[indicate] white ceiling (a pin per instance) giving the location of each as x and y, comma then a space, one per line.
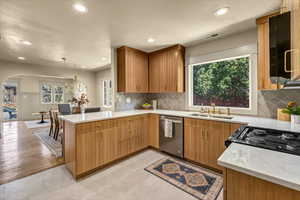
57, 31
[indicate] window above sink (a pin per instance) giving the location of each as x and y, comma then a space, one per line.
225, 83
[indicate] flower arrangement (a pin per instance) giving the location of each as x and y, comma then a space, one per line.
82, 100
292, 108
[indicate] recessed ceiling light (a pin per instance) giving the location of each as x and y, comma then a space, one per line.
151, 40
221, 11
21, 58
103, 58
26, 42
80, 8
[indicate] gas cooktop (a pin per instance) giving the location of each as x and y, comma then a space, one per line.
284, 141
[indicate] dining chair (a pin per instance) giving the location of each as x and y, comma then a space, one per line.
64, 109
51, 122
57, 125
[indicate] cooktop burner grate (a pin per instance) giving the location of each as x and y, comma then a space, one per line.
284, 141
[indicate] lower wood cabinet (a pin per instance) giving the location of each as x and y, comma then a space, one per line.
99, 143
153, 126
204, 140
89, 146
241, 186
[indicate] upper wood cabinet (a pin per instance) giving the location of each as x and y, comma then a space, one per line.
263, 68
132, 70
166, 70
293, 6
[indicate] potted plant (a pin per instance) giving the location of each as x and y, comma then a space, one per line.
294, 110
81, 102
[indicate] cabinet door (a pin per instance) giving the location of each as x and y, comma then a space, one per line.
108, 142
171, 70
155, 72
216, 135
263, 69
295, 30
141, 67
195, 145
245, 187
132, 70
139, 135
153, 133
136, 71
124, 137
86, 147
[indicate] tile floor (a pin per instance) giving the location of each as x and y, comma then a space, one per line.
126, 180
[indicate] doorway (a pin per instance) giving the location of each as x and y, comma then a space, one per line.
10, 112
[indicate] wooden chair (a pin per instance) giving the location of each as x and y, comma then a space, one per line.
52, 122
57, 125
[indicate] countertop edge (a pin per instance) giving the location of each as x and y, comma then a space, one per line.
265, 177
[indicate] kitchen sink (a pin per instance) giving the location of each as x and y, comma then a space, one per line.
222, 117
199, 115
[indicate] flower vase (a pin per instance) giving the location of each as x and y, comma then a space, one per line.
295, 119
82, 109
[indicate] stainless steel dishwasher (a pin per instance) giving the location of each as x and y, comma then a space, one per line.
171, 143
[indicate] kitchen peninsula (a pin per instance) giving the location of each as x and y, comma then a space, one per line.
94, 140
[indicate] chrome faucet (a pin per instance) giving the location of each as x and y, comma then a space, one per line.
213, 108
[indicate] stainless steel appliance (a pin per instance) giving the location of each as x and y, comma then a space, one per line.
284, 141
171, 143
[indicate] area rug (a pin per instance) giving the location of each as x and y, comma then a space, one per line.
35, 124
200, 183
53, 145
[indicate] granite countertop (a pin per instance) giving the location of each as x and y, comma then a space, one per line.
276, 167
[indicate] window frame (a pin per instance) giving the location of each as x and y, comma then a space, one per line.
51, 93
235, 110
107, 84
54, 94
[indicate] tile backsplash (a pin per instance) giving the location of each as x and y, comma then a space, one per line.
268, 101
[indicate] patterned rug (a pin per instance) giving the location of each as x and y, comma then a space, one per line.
200, 183
54, 146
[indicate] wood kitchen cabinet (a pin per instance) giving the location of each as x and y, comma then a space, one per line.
263, 67
86, 142
153, 133
89, 146
204, 140
252, 188
166, 70
293, 6
132, 69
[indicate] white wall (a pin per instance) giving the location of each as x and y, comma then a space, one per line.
11, 69
240, 44
237, 42
102, 75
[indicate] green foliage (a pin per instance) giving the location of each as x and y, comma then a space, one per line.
225, 83
292, 110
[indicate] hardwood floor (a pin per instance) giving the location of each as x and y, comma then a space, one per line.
22, 153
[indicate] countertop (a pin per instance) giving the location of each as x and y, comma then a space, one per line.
251, 121
276, 167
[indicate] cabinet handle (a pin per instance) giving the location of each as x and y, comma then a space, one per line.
285, 60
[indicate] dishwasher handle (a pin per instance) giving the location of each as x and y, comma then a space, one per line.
173, 119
